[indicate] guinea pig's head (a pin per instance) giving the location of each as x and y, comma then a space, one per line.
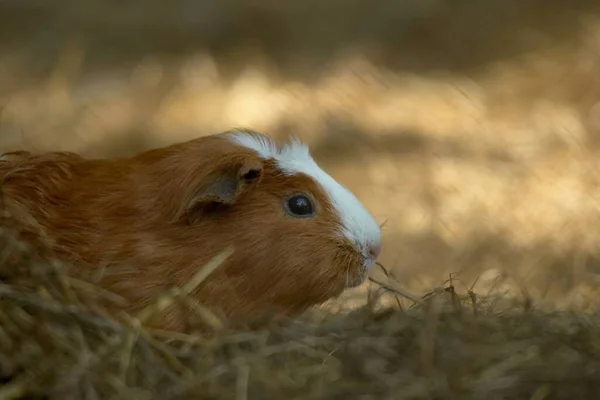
301, 237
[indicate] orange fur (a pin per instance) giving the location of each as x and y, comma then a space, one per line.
142, 224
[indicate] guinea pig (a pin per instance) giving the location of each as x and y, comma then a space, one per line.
137, 226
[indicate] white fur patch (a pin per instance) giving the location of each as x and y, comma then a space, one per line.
360, 228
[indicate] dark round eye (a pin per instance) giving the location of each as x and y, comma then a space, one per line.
300, 205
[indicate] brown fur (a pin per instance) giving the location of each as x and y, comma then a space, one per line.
140, 225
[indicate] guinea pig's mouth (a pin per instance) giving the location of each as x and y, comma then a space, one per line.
359, 275
356, 265
357, 280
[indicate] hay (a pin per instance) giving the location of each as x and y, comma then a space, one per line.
53, 346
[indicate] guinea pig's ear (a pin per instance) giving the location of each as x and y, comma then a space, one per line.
221, 188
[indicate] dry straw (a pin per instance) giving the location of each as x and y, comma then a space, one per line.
444, 346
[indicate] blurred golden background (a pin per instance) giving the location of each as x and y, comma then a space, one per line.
471, 128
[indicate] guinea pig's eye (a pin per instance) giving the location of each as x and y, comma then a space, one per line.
300, 205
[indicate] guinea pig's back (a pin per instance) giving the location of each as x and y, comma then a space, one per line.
10, 160
32, 187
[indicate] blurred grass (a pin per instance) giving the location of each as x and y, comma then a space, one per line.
471, 128
56, 343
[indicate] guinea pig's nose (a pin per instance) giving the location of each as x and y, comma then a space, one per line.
374, 249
